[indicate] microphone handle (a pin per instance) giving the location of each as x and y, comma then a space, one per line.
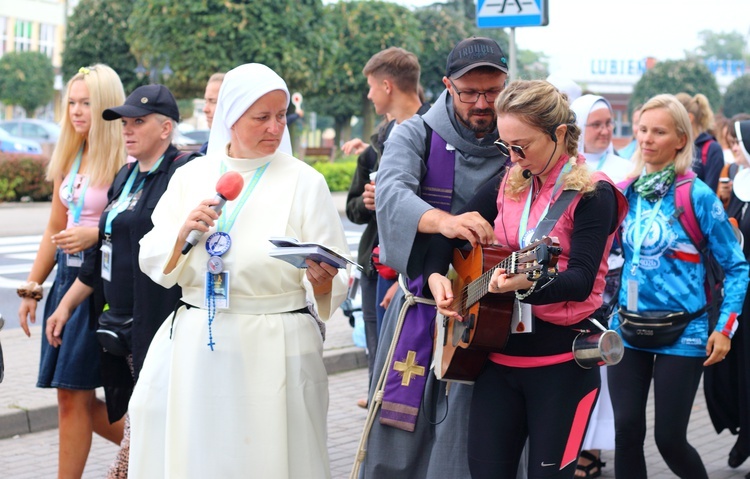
195, 235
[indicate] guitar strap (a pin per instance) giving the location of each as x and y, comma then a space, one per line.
406, 376
553, 214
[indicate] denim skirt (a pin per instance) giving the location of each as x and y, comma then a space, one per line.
75, 363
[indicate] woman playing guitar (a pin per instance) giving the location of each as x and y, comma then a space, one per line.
534, 389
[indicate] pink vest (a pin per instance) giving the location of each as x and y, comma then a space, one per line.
506, 231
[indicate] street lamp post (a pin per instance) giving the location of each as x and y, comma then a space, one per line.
154, 72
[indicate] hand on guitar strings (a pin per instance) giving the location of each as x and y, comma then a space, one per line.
504, 283
469, 226
442, 292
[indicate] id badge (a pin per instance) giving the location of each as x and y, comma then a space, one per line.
220, 288
632, 295
106, 250
522, 321
74, 260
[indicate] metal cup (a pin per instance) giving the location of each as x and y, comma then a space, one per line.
600, 349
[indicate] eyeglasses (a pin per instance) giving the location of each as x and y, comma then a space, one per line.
505, 149
597, 125
473, 96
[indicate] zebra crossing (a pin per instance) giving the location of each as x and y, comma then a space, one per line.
17, 254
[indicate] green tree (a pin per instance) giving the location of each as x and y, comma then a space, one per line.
737, 97
721, 46
674, 76
358, 30
532, 65
441, 29
27, 80
96, 34
200, 37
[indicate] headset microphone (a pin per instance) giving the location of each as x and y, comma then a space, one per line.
527, 174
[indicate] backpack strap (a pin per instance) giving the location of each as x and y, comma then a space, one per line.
704, 151
427, 141
192, 155
625, 184
684, 211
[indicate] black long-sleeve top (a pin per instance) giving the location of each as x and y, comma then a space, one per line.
594, 220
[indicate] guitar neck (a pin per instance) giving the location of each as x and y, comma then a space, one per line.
478, 288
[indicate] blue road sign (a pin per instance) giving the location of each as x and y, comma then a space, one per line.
512, 13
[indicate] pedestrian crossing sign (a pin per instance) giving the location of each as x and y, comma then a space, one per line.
512, 13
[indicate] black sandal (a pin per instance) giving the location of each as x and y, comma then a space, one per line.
593, 469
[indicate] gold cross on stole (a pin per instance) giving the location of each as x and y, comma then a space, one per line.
409, 368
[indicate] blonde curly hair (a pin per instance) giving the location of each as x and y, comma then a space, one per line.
543, 107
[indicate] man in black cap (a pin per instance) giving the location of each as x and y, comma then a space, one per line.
431, 166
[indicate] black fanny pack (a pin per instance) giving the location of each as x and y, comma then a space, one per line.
114, 333
654, 329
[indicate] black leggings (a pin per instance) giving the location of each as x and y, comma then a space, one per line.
676, 381
550, 405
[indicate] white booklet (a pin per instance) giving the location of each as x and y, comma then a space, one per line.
295, 253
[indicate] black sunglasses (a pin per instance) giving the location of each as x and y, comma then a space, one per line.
505, 149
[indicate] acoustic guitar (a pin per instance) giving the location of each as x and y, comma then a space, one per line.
461, 347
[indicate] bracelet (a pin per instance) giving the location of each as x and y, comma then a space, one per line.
31, 289
522, 296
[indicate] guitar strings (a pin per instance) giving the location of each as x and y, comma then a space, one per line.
475, 290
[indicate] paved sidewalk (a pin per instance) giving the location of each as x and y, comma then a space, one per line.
25, 408
28, 415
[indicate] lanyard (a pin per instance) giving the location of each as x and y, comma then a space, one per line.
123, 202
527, 208
76, 208
224, 225
227, 221
640, 234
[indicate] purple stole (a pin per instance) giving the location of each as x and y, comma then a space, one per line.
407, 374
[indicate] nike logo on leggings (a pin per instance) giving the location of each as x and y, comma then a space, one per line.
546, 464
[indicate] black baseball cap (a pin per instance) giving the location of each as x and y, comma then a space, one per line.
475, 52
143, 101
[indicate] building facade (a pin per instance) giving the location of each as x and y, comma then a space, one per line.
35, 25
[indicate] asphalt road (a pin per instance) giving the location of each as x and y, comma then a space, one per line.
19, 241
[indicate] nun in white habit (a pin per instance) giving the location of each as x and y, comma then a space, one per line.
595, 119
233, 384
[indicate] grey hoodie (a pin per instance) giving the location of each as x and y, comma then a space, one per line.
402, 168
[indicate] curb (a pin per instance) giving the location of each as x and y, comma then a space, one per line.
25, 421
344, 359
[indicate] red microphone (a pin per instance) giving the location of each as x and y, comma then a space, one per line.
228, 188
